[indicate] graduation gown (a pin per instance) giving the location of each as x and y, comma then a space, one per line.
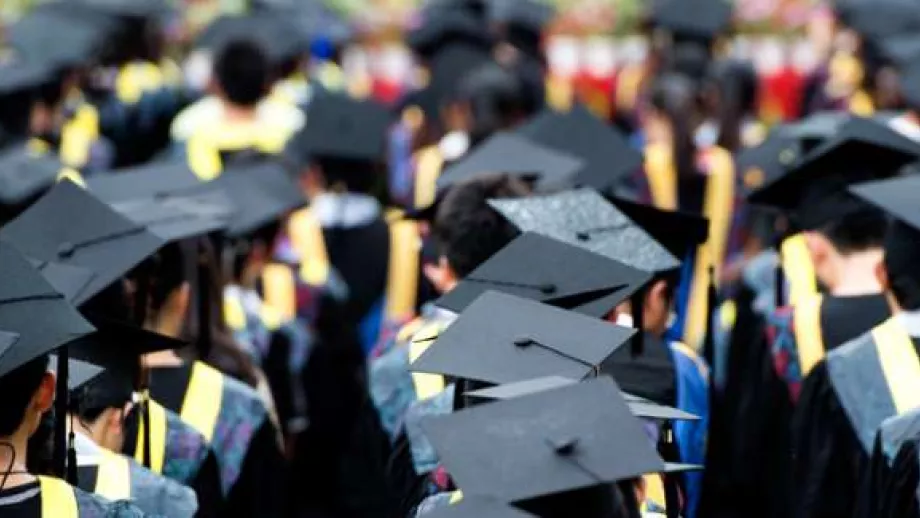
890, 487
178, 452
116, 477
768, 359
236, 424
844, 402
54, 498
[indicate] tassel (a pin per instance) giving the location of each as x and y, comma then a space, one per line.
637, 346
710, 338
145, 416
71, 458
59, 458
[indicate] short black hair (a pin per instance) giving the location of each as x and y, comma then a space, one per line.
17, 388
356, 176
242, 70
902, 251
858, 231
466, 229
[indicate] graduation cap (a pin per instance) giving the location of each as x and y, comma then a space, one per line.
608, 157
583, 218
59, 34
478, 507
443, 27
501, 338
261, 192
556, 273
69, 225
548, 443
344, 128
24, 174
640, 407
815, 188
179, 217
140, 9
507, 153
908, 82
67, 280
449, 67
679, 232
815, 128
79, 372
900, 49
874, 20
156, 180
273, 31
530, 15
697, 19
18, 75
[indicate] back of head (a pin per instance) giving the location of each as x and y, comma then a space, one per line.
675, 97
17, 389
466, 229
902, 253
734, 84
242, 71
858, 231
496, 97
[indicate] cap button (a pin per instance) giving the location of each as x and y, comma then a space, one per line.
565, 447
548, 289
582, 236
66, 250
523, 341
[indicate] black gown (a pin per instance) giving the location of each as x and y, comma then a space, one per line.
889, 489
752, 422
259, 486
830, 455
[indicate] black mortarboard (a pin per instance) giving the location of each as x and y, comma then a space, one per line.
17, 75
115, 344
557, 273
583, 218
478, 507
501, 338
344, 128
552, 442
507, 153
175, 218
31, 307
640, 407
815, 188
608, 157
60, 34
530, 15
896, 196
154, 180
260, 192
443, 27
69, 225
875, 20
900, 49
67, 280
24, 174
79, 372
277, 35
448, 69
815, 128
679, 232
142, 9
697, 19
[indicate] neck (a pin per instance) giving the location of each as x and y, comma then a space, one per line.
237, 113
855, 274
167, 324
13, 455
162, 359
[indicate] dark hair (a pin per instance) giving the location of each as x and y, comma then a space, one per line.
242, 71
17, 388
357, 176
857, 231
736, 85
108, 390
468, 231
177, 265
496, 98
676, 97
902, 253
266, 235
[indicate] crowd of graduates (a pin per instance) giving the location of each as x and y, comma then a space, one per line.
238, 288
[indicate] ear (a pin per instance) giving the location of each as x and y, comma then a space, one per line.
656, 292
440, 275
818, 246
44, 396
179, 300
114, 420
881, 274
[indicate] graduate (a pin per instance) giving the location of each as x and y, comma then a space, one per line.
700, 180
848, 395
889, 488
233, 122
29, 389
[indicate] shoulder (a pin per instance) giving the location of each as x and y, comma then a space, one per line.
192, 117
94, 506
850, 351
688, 360
164, 495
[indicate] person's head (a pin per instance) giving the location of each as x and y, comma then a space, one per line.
100, 408
898, 273
169, 292
731, 96
491, 98
467, 231
672, 118
657, 303
28, 393
859, 232
253, 253
242, 72
335, 174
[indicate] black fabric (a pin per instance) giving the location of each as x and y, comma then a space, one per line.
650, 375
29, 508
360, 255
86, 478
845, 318
169, 384
889, 489
206, 482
